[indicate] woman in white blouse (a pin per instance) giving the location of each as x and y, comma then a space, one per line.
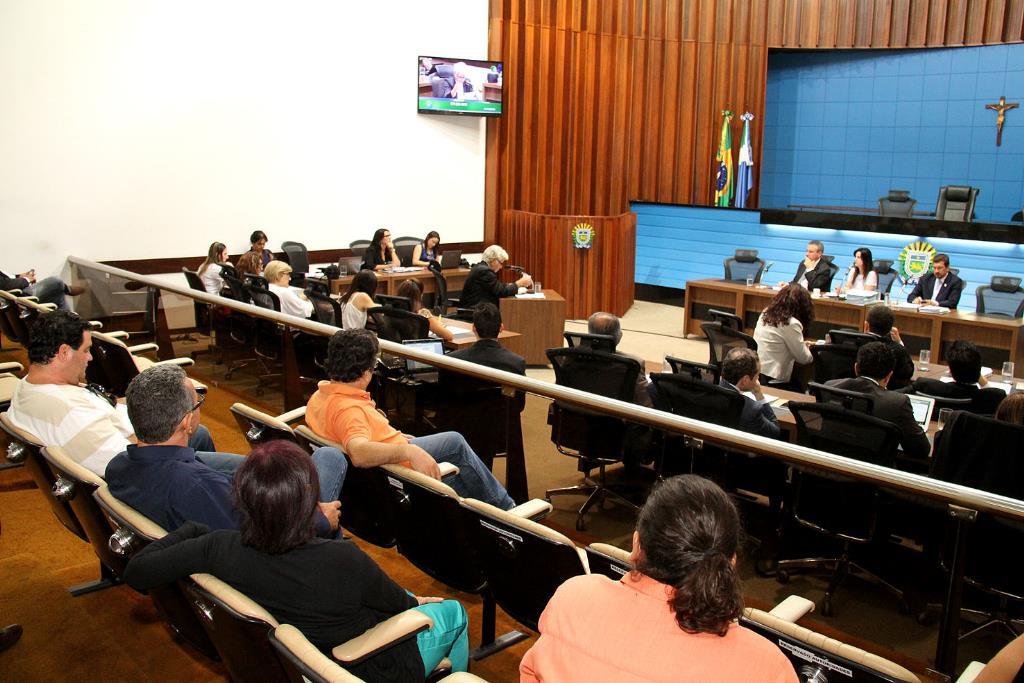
780, 333
358, 299
210, 271
862, 274
293, 301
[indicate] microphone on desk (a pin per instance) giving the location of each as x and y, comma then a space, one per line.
767, 267
518, 269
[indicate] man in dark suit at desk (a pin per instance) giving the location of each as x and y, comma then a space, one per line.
874, 367
741, 371
879, 323
964, 361
939, 287
814, 272
488, 351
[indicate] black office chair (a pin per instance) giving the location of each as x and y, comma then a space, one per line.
704, 372
956, 203
947, 402
396, 325
1002, 296
886, 275
835, 429
595, 342
595, 440
437, 301
268, 339
480, 411
298, 258
722, 339
851, 338
358, 248
727, 318
897, 203
743, 264
325, 309
832, 270
399, 302
833, 361
851, 400
404, 246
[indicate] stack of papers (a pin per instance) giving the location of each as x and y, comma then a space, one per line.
458, 331
934, 309
538, 295
861, 297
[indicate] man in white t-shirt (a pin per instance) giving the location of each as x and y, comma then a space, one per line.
51, 403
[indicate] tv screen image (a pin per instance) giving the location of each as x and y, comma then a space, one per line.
469, 87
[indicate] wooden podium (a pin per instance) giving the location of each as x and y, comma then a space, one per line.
596, 279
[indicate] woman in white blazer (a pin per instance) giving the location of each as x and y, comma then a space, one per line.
780, 333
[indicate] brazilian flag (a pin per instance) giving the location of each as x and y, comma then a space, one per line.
724, 181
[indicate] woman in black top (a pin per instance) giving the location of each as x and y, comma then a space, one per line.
328, 589
381, 254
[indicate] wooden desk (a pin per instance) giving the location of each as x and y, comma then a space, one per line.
513, 341
998, 339
540, 321
388, 283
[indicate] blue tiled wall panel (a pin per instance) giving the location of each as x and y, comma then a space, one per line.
676, 244
844, 127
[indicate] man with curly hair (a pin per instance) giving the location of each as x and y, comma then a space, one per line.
342, 410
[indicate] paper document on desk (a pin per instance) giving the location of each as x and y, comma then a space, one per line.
942, 310
538, 295
985, 372
768, 398
458, 331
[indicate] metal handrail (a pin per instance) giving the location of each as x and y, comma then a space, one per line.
975, 499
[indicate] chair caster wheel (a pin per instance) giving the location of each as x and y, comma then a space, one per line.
826, 607
782, 576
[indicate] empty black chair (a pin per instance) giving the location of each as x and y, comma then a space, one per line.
835, 429
325, 309
727, 318
851, 400
595, 440
404, 246
399, 302
723, 339
956, 203
268, 343
833, 361
704, 372
396, 325
1002, 296
595, 342
832, 270
358, 248
897, 203
298, 257
743, 264
851, 338
886, 275
437, 300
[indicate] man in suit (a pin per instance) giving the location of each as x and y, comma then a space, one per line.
482, 283
487, 351
874, 370
608, 324
741, 371
964, 361
879, 323
939, 287
814, 272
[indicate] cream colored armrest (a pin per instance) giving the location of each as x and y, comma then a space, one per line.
11, 366
97, 325
447, 469
143, 348
200, 387
183, 362
117, 334
293, 415
971, 672
385, 634
14, 292
48, 307
462, 677
792, 608
532, 509
33, 299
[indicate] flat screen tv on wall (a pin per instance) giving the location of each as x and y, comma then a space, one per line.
466, 87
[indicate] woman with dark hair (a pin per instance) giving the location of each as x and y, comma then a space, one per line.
673, 618
358, 299
862, 272
210, 270
381, 253
413, 291
328, 589
780, 333
427, 250
258, 240
1011, 409
249, 263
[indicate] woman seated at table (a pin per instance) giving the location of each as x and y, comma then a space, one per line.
250, 263
428, 250
780, 333
413, 291
258, 244
673, 618
862, 273
381, 253
210, 271
358, 299
328, 589
293, 301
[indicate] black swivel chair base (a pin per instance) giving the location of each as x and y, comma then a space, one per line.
107, 580
840, 568
1000, 617
597, 491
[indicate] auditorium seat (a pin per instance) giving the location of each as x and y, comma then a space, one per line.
609, 560
897, 203
115, 364
257, 427
698, 371
8, 380
743, 264
1003, 296
956, 203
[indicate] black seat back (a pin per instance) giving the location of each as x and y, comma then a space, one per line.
833, 361
326, 309
596, 342
886, 275
851, 400
358, 248
298, 256
722, 339
850, 337
396, 325
743, 264
399, 302
727, 318
1003, 296
704, 372
685, 396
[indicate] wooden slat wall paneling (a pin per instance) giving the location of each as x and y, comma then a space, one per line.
917, 30
956, 20
881, 23
899, 26
974, 31
936, 23
1014, 27
994, 22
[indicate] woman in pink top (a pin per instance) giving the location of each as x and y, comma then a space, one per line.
673, 618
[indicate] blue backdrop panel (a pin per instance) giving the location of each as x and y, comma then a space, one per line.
680, 243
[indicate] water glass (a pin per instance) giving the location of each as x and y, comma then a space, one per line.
537, 288
816, 293
750, 281
926, 358
343, 270
1008, 369
944, 415
887, 299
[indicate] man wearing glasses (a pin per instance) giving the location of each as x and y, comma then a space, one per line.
52, 404
482, 284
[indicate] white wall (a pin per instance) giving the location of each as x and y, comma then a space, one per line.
144, 128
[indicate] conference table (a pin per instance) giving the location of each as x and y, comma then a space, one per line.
998, 338
466, 337
388, 282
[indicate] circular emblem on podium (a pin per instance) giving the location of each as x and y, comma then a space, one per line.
583, 235
915, 260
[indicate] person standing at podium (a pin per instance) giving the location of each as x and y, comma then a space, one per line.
482, 284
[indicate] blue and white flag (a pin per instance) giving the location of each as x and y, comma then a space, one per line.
745, 166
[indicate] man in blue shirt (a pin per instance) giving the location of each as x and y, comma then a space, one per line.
161, 477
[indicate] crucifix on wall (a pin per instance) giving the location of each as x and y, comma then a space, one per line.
1002, 107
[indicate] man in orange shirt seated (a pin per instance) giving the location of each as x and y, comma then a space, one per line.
342, 410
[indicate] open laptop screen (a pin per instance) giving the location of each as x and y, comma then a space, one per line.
432, 345
923, 407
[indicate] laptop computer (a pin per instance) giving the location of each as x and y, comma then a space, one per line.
433, 345
923, 407
451, 258
350, 264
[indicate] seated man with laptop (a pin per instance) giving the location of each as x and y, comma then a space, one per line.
964, 361
874, 368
